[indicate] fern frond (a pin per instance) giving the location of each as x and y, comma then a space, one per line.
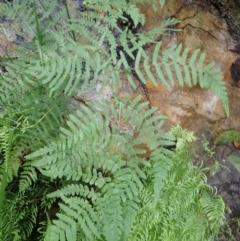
235, 160
28, 220
17, 220
76, 214
189, 71
162, 164
64, 229
8, 224
111, 166
150, 36
27, 177
227, 137
112, 221
214, 210
75, 190
183, 137
15, 10
9, 163
40, 113
29, 15
130, 210
165, 219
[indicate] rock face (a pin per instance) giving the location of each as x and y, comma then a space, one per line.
235, 72
229, 10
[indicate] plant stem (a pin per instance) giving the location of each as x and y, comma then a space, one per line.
69, 17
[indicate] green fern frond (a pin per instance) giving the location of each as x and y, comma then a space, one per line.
17, 220
140, 120
9, 164
40, 114
147, 134
112, 221
8, 224
28, 220
213, 208
75, 190
64, 229
27, 177
76, 214
103, 167
34, 15
15, 10
183, 137
134, 12
130, 210
6, 141
164, 220
162, 164
227, 137
235, 160
178, 132
190, 72
165, 26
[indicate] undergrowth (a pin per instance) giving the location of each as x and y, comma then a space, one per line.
73, 169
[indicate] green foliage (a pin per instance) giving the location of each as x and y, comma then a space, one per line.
235, 160
187, 209
73, 171
103, 168
227, 137
188, 70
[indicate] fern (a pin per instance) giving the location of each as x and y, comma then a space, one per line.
227, 137
22, 218
179, 214
83, 171
9, 164
190, 71
235, 160
27, 177
119, 180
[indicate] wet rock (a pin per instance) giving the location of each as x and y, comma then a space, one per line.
228, 10
227, 180
235, 72
19, 39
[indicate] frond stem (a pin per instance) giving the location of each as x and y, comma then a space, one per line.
69, 17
